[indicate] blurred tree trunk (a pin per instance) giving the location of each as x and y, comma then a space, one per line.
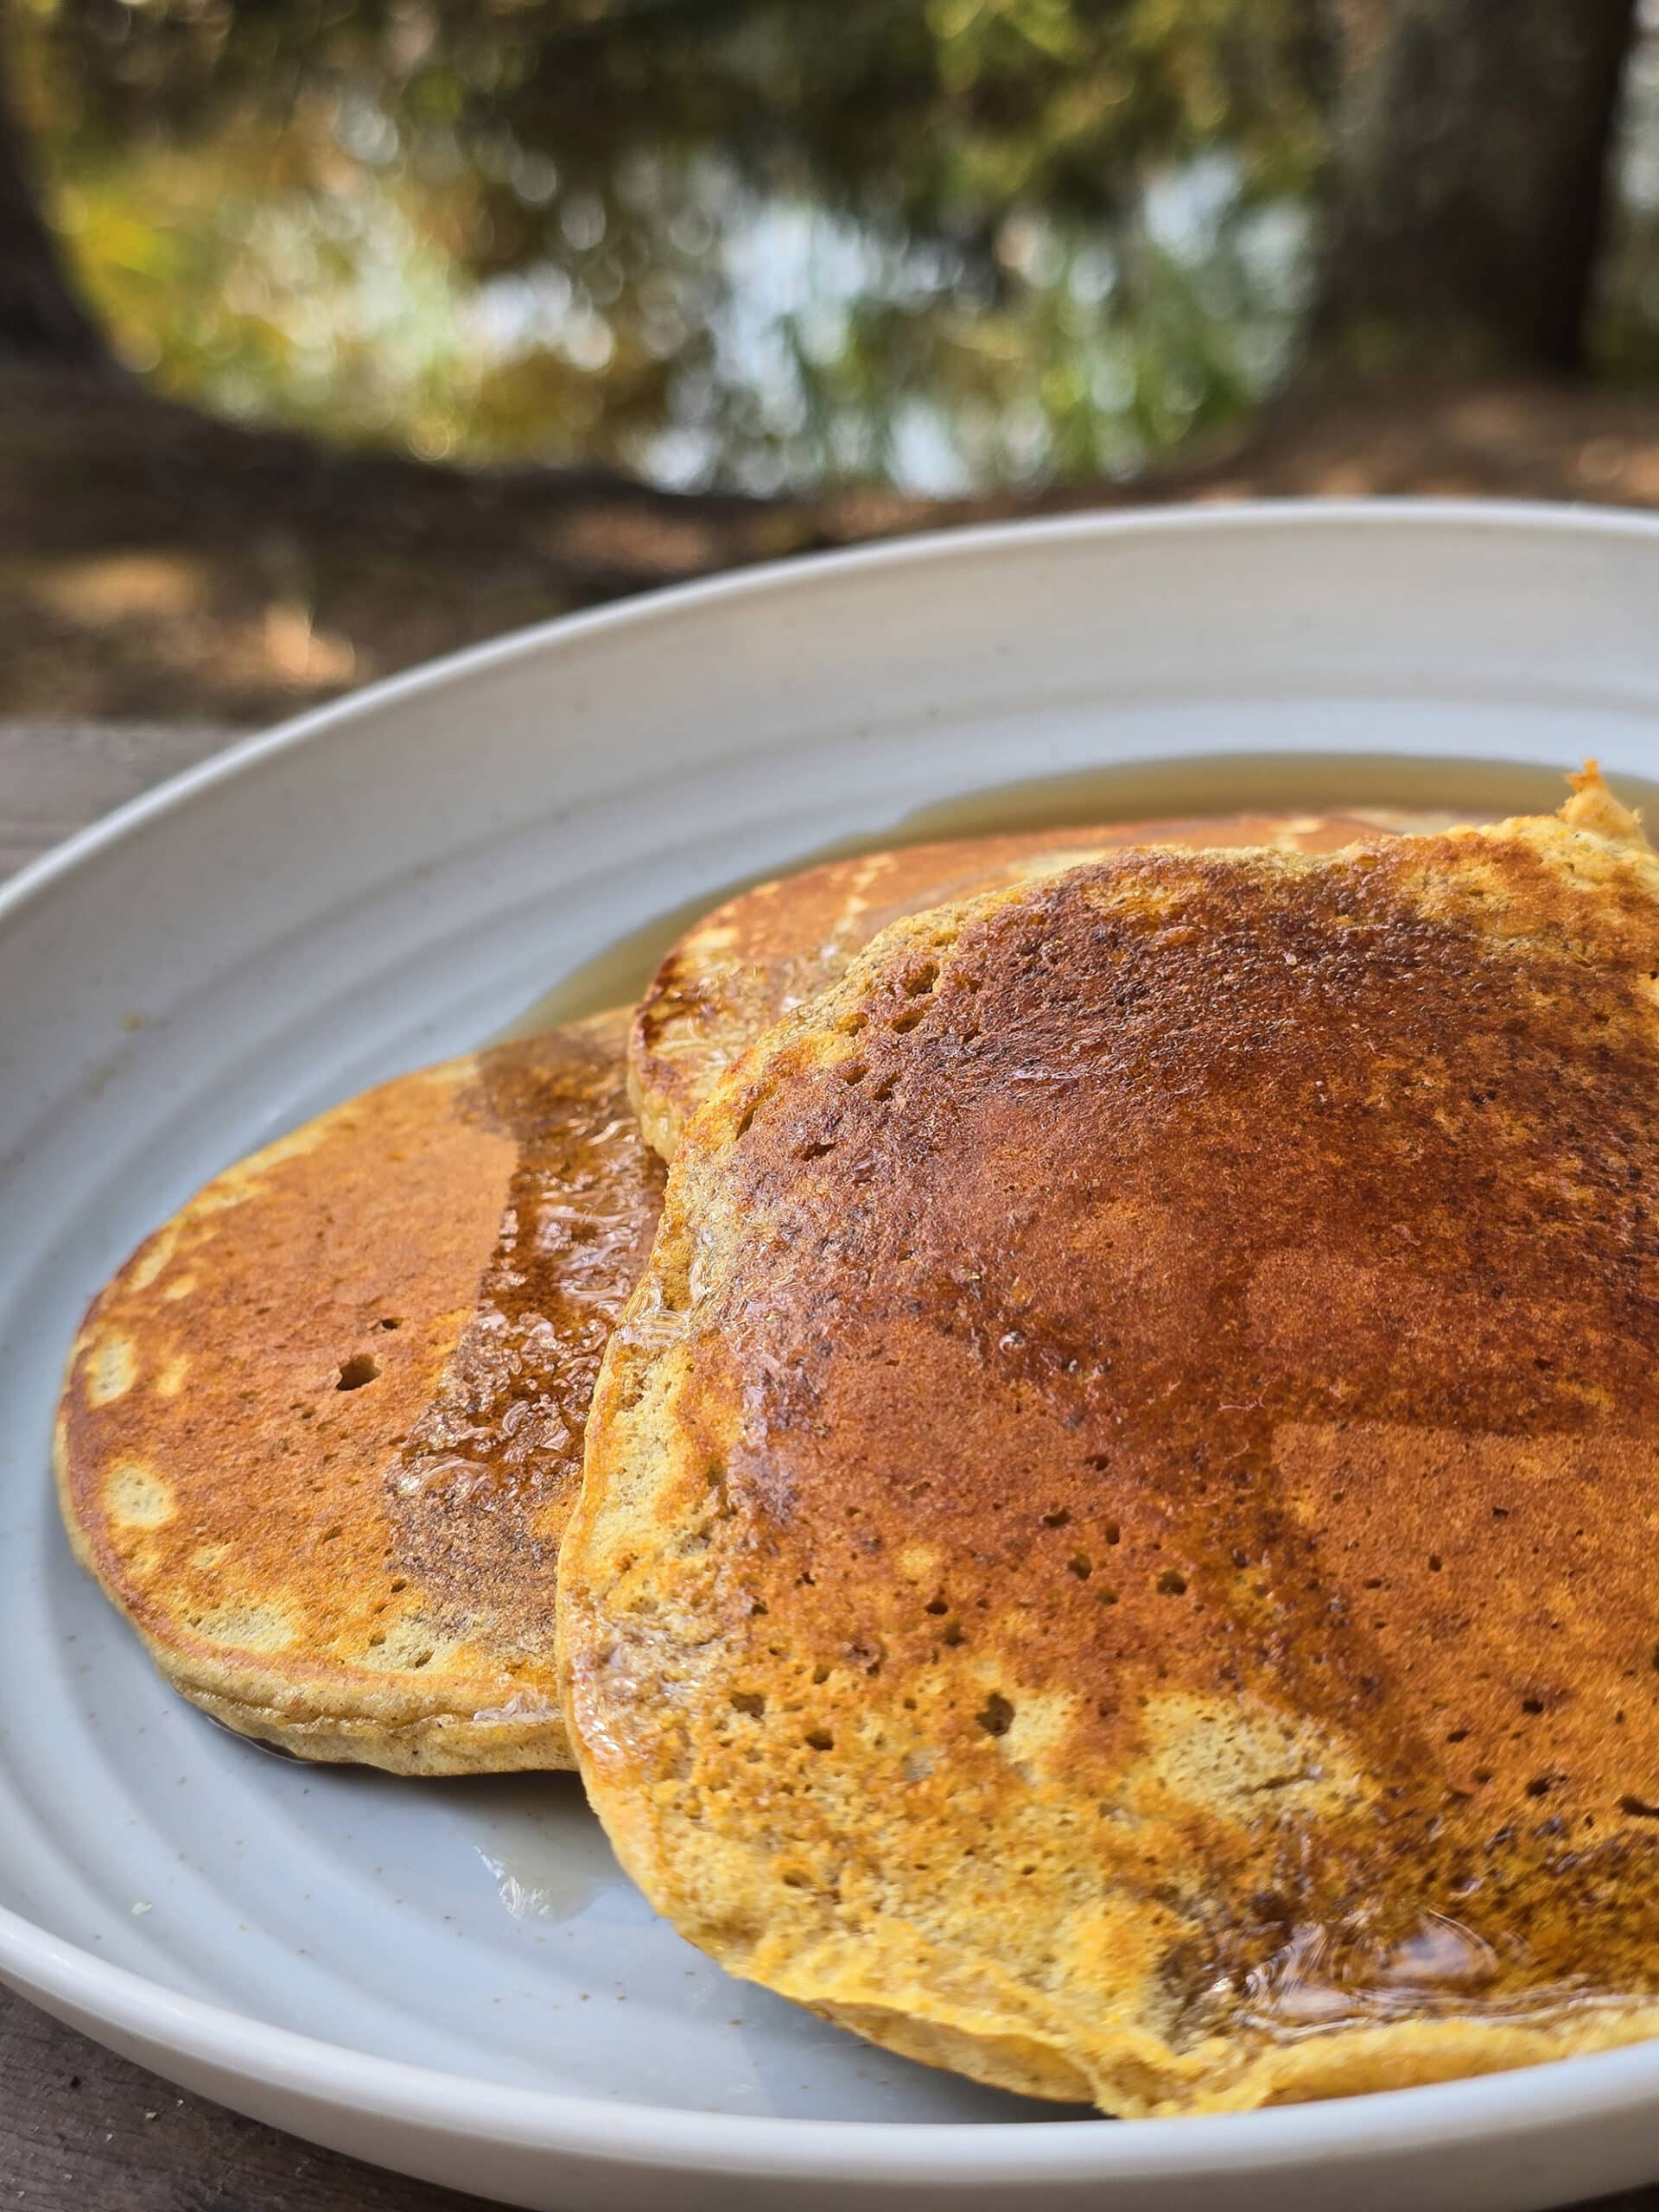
42, 317
1472, 138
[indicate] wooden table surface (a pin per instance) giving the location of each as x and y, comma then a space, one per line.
80, 2130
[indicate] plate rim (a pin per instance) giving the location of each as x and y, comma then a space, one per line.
55, 1972
788, 574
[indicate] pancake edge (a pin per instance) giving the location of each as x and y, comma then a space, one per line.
1137, 2075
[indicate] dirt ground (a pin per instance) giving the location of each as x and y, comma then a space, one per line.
155, 564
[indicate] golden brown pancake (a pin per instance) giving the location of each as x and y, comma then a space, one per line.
1116, 1552
764, 951
320, 1436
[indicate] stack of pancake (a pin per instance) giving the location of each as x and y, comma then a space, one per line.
1094, 1528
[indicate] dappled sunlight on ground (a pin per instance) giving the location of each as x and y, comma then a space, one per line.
164, 565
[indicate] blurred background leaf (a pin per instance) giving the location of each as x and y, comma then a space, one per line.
951, 244
438, 316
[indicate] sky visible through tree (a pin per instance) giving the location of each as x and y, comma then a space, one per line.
770, 244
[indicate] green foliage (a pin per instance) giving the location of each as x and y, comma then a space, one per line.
769, 241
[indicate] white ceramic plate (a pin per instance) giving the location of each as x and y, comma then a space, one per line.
453, 1979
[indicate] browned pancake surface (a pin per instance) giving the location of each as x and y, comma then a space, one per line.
321, 1435
1116, 1552
763, 952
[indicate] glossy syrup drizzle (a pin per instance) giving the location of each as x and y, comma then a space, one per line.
482, 1487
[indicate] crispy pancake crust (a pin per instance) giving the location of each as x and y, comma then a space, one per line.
767, 949
1116, 1547
320, 1437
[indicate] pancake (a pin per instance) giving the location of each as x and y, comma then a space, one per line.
1115, 1553
763, 952
320, 1436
